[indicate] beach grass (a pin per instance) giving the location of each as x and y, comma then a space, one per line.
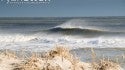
59, 58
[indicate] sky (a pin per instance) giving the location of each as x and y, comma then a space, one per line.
64, 8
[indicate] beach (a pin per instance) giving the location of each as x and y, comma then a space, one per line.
62, 43
59, 58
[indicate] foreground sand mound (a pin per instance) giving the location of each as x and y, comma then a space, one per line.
107, 65
57, 59
7, 61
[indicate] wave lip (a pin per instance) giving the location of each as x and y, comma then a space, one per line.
74, 30
80, 24
88, 33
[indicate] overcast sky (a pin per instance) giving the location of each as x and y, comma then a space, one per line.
65, 8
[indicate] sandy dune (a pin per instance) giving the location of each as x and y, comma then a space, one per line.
58, 58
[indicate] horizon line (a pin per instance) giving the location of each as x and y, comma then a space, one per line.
55, 16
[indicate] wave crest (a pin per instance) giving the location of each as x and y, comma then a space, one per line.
79, 24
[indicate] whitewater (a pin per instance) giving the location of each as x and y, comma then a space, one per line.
73, 33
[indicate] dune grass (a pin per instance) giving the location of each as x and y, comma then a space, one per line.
58, 58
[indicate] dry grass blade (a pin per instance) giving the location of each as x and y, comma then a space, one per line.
58, 58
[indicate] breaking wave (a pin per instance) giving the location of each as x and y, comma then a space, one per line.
75, 33
79, 24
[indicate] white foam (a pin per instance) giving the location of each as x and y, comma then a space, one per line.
15, 38
46, 42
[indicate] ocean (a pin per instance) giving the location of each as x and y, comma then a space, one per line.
41, 34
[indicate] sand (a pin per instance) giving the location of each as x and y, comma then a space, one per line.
58, 58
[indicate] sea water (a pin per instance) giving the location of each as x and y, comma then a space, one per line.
41, 34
